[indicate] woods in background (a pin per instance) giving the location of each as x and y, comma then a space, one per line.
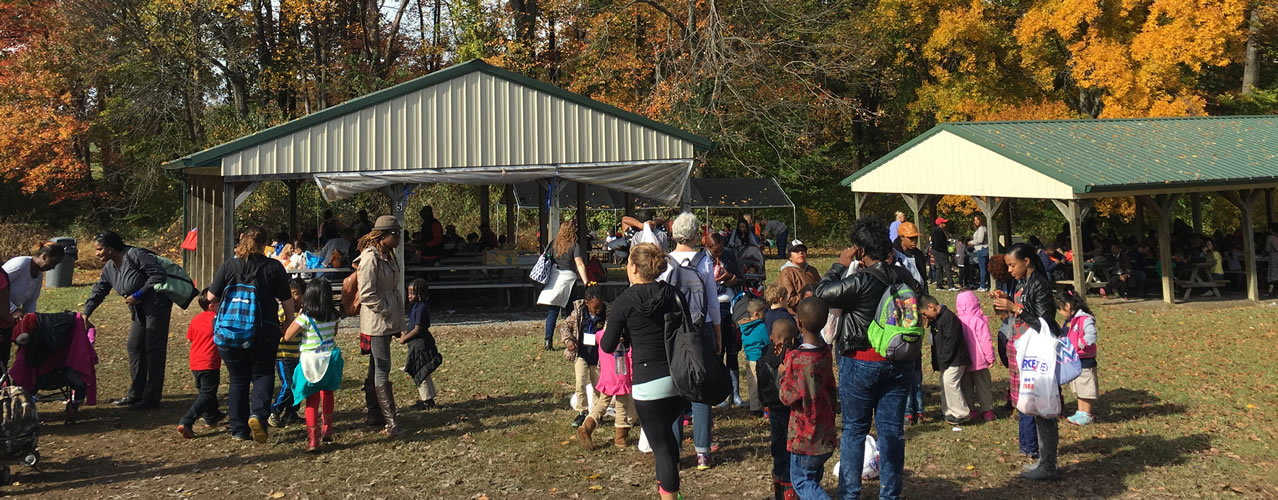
95, 95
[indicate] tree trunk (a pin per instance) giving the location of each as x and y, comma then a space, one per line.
1251, 65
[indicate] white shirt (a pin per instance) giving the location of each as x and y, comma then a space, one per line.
23, 289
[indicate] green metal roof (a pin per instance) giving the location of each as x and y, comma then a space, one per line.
1124, 154
212, 155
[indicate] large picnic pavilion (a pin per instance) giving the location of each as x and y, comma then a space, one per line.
1074, 162
471, 123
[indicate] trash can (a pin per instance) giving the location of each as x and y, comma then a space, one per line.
60, 276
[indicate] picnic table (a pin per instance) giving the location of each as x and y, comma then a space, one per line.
1090, 280
1200, 277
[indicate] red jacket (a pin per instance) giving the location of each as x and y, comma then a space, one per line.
204, 354
807, 385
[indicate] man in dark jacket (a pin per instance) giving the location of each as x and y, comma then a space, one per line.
949, 357
941, 255
869, 385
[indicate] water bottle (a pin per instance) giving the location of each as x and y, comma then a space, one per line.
619, 359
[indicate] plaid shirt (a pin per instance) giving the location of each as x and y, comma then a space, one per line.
807, 385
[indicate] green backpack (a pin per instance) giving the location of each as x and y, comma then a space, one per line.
897, 328
179, 286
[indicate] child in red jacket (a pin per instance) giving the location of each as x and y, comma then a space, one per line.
206, 365
807, 385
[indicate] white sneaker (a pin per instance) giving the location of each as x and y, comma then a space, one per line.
982, 289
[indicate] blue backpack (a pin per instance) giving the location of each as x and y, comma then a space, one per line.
237, 312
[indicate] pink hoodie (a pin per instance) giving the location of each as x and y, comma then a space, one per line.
976, 328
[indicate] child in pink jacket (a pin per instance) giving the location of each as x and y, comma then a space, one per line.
976, 385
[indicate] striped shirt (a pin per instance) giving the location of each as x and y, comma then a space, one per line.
289, 349
317, 336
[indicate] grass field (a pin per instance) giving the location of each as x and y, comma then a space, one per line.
1188, 410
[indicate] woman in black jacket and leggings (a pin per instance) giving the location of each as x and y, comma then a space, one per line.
1033, 300
637, 319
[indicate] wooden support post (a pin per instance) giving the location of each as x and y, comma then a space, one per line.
917, 203
1139, 220
1196, 211
1162, 206
1246, 200
396, 194
485, 206
1269, 207
543, 217
1007, 225
292, 184
1073, 212
858, 200
990, 207
582, 228
229, 235
510, 215
630, 205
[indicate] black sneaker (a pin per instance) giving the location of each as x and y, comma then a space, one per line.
581, 419
213, 420
954, 420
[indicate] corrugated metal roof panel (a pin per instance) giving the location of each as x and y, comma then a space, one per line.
1122, 154
468, 115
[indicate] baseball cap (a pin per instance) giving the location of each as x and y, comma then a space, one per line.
797, 246
908, 230
941, 220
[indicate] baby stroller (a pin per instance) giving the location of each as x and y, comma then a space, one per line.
56, 356
19, 426
752, 264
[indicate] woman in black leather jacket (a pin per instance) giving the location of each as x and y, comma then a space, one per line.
1033, 300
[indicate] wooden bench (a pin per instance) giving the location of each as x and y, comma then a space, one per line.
1090, 281
1213, 286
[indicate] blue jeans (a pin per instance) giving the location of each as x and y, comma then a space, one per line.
914, 397
551, 316
702, 427
779, 425
1028, 435
983, 263
807, 470
872, 390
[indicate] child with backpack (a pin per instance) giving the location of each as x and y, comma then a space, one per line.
206, 366
754, 339
977, 385
578, 334
284, 412
423, 354
807, 385
319, 368
1080, 326
776, 297
949, 357
783, 335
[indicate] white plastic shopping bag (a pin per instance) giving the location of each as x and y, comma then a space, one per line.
590, 398
647, 235
1038, 394
869, 462
1068, 366
643, 442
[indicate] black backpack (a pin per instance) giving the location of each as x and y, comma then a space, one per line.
695, 368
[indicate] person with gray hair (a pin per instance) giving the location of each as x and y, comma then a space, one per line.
686, 232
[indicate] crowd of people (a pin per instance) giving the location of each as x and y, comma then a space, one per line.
798, 334
808, 339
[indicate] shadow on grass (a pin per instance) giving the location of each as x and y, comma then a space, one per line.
97, 471
475, 415
1121, 405
1103, 477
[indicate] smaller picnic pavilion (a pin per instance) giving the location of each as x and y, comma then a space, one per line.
471, 123
1074, 162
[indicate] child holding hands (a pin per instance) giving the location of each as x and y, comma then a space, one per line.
423, 355
783, 336
807, 385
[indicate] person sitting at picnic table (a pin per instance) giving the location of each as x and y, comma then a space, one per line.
431, 239
488, 240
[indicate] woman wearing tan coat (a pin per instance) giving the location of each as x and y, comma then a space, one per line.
381, 312
796, 274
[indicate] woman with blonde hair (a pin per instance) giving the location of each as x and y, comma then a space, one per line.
253, 364
381, 312
637, 321
569, 266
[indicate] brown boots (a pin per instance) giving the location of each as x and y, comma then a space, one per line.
588, 427
386, 400
583, 433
